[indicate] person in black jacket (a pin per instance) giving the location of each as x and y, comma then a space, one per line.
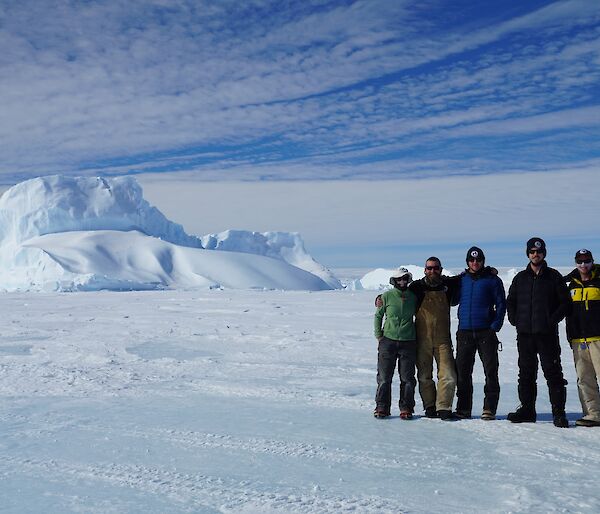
538, 299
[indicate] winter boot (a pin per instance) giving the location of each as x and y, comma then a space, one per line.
558, 399
447, 415
406, 414
461, 414
583, 422
430, 412
561, 421
523, 415
487, 415
381, 412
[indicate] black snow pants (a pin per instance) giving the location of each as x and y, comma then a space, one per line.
547, 346
468, 343
390, 351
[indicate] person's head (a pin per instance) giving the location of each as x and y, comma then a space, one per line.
401, 278
433, 267
536, 250
584, 261
475, 259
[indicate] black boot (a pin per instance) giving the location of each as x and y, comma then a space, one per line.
461, 414
447, 415
524, 414
561, 421
430, 412
558, 399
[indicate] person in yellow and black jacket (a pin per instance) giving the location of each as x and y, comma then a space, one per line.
583, 333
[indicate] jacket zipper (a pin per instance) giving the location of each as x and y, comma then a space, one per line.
471, 307
585, 299
533, 283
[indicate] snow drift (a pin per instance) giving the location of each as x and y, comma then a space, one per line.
287, 246
60, 233
107, 259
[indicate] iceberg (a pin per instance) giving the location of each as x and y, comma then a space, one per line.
64, 233
286, 246
116, 260
47, 205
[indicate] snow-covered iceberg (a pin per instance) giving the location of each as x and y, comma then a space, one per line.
61, 233
286, 246
110, 259
47, 205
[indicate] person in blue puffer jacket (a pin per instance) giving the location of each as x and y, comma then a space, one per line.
481, 311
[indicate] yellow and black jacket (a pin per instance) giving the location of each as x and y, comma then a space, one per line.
583, 325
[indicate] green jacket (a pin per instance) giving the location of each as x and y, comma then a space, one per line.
399, 308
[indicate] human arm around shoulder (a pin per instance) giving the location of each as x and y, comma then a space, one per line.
453, 284
499, 304
565, 304
511, 302
416, 287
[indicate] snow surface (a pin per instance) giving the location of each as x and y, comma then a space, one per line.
95, 223
245, 401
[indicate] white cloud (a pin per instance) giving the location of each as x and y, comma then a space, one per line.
88, 82
559, 120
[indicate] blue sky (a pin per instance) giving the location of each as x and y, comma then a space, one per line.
279, 90
298, 90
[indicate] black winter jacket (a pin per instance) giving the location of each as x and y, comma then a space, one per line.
450, 285
537, 303
583, 325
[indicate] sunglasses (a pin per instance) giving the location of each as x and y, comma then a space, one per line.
430, 268
586, 261
475, 259
532, 252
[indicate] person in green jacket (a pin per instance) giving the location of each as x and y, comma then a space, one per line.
397, 342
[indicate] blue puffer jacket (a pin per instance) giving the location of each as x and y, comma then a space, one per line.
482, 301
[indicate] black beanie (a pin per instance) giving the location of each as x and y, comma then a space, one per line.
536, 243
583, 254
475, 252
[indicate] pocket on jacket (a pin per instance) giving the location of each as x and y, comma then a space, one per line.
393, 324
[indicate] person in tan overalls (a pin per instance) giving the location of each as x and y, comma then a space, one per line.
434, 342
436, 293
